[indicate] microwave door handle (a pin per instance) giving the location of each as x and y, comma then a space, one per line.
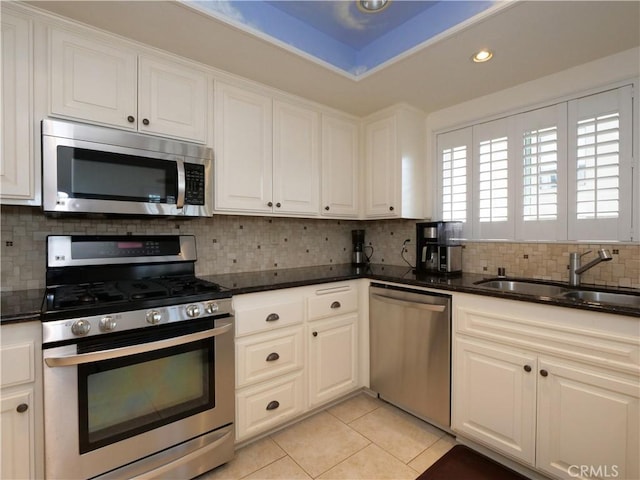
82, 358
181, 183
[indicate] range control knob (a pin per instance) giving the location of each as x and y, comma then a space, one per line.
211, 307
80, 327
107, 324
193, 310
154, 317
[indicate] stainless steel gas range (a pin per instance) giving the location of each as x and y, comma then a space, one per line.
138, 360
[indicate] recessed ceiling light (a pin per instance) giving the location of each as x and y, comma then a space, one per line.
372, 6
482, 56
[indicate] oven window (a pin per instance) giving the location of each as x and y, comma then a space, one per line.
98, 175
123, 397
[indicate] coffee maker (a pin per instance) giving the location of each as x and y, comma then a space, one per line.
358, 257
438, 247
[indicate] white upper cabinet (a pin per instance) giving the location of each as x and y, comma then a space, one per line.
17, 165
340, 167
296, 167
103, 82
395, 159
243, 150
267, 154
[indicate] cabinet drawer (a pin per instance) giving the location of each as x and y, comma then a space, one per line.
17, 362
332, 301
262, 318
265, 356
266, 406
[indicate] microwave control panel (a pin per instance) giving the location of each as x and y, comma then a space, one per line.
194, 191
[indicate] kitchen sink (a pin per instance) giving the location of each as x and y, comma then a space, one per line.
590, 296
522, 286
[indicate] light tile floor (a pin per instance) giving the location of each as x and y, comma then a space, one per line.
360, 438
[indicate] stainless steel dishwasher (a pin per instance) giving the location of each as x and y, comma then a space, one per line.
410, 340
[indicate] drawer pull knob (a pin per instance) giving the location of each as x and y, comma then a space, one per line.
273, 404
272, 357
544, 373
527, 368
335, 305
272, 317
23, 407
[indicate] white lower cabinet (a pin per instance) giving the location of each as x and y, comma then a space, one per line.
332, 358
553, 388
280, 374
21, 420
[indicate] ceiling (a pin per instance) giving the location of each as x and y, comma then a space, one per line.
339, 34
530, 39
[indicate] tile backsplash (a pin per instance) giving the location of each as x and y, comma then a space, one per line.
228, 244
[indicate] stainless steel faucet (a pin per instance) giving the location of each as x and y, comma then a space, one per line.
575, 270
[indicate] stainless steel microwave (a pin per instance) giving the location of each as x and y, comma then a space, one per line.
90, 169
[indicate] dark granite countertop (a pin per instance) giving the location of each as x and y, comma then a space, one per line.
25, 305
261, 281
21, 305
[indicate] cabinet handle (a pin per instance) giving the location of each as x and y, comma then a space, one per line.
145, 121
544, 373
278, 205
23, 407
131, 119
391, 209
327, 208
527, 368
270, 204
272, 317
335, 305
273, 404
315, 334
272, 357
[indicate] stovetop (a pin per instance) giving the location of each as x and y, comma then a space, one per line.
126, 294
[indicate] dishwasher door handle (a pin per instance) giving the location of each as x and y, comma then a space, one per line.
411, 304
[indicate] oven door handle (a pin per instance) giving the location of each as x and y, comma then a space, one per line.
81, 358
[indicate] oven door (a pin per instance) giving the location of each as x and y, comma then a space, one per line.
115, 400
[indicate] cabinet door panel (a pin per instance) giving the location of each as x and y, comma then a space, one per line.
296, 172
332, 358
16, 163
93, 80
243, 144
381, 152
17, 453
494, 397
339, 167
173, 99
587, 419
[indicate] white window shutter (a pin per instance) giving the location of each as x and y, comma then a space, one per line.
600, 166
493, 181
454, 174
541, 178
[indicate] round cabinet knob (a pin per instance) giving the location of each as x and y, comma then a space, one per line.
145, 121
270, 204
527, 368
327, 208
391, 209
544, 373
278, 205
80, 327
23, 407
131, 119
193, 311
154, 317
107, 324
315, 334
211, 307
